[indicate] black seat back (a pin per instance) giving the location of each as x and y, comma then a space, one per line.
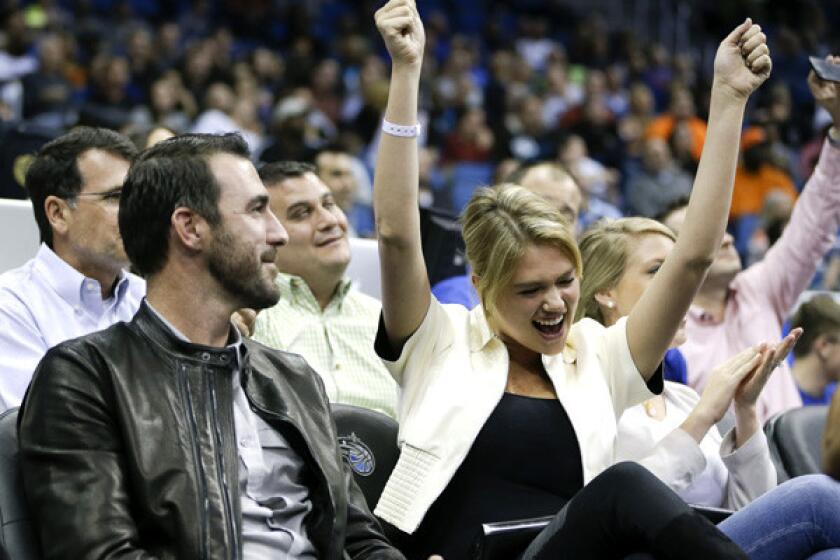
795, 439
368, 442
17, 538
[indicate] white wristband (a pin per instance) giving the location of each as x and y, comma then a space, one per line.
403, 131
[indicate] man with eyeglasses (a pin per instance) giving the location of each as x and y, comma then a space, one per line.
77, 282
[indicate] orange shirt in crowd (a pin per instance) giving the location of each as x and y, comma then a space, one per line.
663, 126
751, 188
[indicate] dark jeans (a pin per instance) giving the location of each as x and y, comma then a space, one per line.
627, 511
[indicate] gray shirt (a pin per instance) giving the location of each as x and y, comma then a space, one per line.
274, 499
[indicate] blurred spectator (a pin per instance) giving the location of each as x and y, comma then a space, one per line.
560, 95
225, 113
632, 126
681, 109
596, 182
816, 368
350, 186
471, 140
47, 93
528, 136
171, 105
775, 215
757, 176
659, 183
142, 61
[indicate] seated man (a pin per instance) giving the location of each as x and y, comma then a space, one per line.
76, 284
171, 436
321, 316
734, 308
817, 366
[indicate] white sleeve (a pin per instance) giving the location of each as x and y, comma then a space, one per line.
627, 386
751, 472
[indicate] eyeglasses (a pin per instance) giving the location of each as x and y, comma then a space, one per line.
112, 196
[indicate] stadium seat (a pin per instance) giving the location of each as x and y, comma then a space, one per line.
443, 244
795, 439
17, 538
363, 269
368, 443
19, 232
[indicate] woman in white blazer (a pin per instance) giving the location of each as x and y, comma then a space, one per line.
509, 410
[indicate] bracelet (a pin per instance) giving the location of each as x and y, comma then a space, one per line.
403, 131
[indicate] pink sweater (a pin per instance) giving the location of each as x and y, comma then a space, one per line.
761, 296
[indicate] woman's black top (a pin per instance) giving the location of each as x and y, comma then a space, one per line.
524, 463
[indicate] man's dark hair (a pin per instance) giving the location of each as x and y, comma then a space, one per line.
170, 174
55, 170
279, 171
673, 206
818, 316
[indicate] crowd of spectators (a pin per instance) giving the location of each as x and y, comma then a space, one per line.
503, 80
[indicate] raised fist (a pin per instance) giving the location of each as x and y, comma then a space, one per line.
742, 62
400, 26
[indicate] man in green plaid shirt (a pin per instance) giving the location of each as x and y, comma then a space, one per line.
321, 316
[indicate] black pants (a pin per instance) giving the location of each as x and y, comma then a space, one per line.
627, 512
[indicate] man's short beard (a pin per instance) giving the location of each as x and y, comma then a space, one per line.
232, 265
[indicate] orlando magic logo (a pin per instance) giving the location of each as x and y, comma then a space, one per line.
357, 454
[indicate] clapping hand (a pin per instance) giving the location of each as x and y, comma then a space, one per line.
772, 356
401, 29
742, 62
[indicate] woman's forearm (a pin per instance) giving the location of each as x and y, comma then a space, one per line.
708, 210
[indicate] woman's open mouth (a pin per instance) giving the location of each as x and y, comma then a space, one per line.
550, 328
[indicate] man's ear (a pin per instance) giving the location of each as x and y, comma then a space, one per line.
820, 346
58, 214
190, 228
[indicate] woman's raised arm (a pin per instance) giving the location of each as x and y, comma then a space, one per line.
742, 64
405, 283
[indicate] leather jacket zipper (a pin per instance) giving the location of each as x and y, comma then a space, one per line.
219, 469
202, 481
319, 471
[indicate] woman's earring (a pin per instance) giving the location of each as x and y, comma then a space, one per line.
610, 304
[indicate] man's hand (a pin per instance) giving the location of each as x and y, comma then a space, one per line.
827, 94
747, 393
245, 319
742, 62
401, 29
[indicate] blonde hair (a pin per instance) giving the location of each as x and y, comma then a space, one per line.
499, 223
604, 249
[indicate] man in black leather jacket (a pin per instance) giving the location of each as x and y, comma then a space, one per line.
169, 436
